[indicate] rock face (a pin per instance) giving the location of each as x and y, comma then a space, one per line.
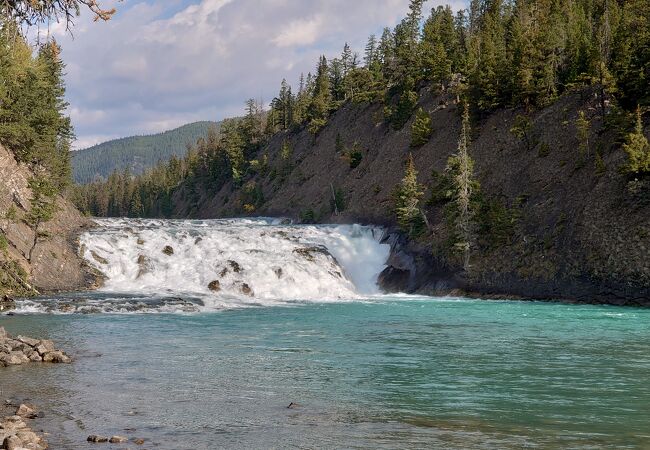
55, 264
23, 350
15, 434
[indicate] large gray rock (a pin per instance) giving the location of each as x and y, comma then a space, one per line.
13, 358
29, 341
57, 357
12, 443
45, 346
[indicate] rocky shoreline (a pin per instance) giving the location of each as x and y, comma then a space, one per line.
22, 350
16, 434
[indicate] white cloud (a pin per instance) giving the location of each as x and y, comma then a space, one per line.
299, 33
161, 64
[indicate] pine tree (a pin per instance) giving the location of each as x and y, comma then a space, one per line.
407, 205
637, 149
421, 129
321, 97
461, 169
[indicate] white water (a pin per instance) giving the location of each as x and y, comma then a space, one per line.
279, 263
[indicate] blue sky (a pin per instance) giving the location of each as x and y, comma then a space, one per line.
159, 64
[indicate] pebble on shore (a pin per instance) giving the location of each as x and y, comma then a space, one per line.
15, 434
21, 350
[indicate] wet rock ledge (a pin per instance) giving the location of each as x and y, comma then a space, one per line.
15, 434
21, 350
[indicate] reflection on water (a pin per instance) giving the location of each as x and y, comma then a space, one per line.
386, 373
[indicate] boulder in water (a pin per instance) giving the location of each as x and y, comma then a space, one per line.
246, 290
309, 252
278, 272
235, 266
214, 286
140, 241
143, 265
97, 439
118, 440
98, 258
26, 411
168, 250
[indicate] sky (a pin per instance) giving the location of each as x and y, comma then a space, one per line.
160, 64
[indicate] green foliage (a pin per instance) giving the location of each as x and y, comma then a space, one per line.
403, 110
637, 149
33, 124
354, 156
421, 129
462, 209
407, 200
138, 153
496, 223
4, 244
308, 216
522, 129
583, 125
544, 150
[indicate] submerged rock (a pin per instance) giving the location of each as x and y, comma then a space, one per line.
118, 440
168, 250
97, 439
214, 286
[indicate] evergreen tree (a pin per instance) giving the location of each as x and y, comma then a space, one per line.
460, 167
407, 204
637, 149
321, 97
421, 129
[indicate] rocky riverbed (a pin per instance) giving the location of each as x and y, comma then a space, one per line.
22, 350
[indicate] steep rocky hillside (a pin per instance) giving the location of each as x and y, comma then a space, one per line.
54, 264
576, 229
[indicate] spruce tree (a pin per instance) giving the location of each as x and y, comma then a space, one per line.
460, 167
637, 149
421, 129
408, 194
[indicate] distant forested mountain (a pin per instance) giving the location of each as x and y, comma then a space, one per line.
137, 152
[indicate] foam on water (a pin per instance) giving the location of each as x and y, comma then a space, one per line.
255, 261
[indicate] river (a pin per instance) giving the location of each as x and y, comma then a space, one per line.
297, 318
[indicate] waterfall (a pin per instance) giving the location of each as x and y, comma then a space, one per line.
236, 261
